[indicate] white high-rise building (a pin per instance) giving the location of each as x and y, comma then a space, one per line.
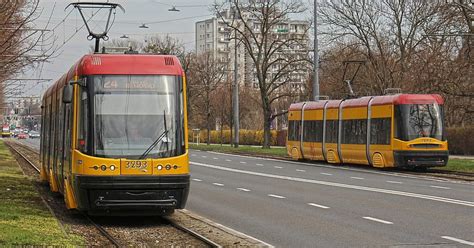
213, 35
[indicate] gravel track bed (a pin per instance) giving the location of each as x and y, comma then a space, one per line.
128, 231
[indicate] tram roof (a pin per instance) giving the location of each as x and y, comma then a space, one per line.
377, 100
120, 64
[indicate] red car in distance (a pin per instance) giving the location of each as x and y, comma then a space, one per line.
22, 136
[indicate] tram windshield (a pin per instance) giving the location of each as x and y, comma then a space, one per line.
133, 112
418, 120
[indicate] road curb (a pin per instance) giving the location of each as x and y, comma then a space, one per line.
252, 240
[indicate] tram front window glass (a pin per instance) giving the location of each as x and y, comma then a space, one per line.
130, 114
419, 120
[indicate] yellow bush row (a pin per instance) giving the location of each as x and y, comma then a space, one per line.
246, 137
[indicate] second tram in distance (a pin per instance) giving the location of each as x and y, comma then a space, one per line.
403, 130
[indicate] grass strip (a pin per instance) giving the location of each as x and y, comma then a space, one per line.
243, 149
460, 165
24, 219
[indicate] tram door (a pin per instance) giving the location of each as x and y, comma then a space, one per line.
66, 153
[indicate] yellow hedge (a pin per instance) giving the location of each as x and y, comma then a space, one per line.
246, 137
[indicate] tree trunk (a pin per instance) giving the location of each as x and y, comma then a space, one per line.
266, 127
208, 118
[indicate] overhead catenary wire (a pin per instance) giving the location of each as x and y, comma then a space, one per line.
177, 19
77, 31
183, 6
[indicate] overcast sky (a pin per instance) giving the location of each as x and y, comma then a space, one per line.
136, 13
73, 40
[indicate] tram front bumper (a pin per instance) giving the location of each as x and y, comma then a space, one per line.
413, 159
124, 193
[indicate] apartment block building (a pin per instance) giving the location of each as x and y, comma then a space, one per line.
213, 35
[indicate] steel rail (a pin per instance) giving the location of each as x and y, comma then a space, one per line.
24, 157
101, 229
193, 233
107, 234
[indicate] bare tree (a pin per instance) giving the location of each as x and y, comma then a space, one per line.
164, 45
206, 75
22, 44
411, 45
257, 27
390, 31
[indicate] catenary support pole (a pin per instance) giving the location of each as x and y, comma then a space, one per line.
316, 55
235, 95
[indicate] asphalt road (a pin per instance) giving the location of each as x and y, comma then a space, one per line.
292, 204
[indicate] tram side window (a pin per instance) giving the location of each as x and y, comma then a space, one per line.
380, 131
83, 120
354, 131
331, 131
293, 130
313, 131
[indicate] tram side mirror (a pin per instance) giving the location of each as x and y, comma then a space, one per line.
67, 93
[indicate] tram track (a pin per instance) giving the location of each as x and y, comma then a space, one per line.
14, 146
30, 156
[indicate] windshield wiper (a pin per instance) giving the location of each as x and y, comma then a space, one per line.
162, 135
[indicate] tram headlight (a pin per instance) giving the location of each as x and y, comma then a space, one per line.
112, 167
160, 167
168, 166
103, 167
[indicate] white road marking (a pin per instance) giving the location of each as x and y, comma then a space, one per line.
230, 230
300, 170
394, 182
243, 162
278, 167
317, 205
228, 160
378, 220
277, 196
218, 184
215, 158
358, 178
259, 164
458, 240
203, 156
342, 185
243, 189
393, 174
327, 174
193, 155
439, 187
197, 180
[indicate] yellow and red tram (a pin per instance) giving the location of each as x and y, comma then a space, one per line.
114, 135
403, 130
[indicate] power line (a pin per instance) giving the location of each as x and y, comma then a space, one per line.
77, 31
177, 19
183, 6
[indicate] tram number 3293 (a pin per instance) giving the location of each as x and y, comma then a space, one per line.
136, 164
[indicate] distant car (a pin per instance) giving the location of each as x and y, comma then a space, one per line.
16, 132
34, 135
22, 136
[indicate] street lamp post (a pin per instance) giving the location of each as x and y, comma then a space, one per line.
316, 55
235, 96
